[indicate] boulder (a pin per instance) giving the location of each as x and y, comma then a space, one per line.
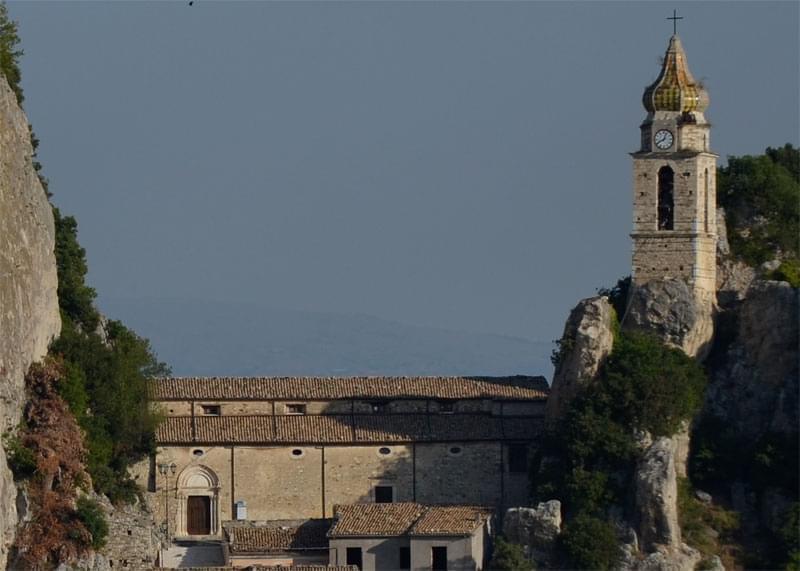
587, 341
669, 309
535, 529
677, 558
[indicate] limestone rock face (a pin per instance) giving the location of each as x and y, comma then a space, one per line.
669, 309
755, 388
535, 529
29, 317
656, 496
587, 341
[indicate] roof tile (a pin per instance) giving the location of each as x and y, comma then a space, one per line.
336, 428
331, 388
406, 518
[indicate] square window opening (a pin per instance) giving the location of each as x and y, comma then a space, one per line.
354, 556
295, 408
384, 494
439, 558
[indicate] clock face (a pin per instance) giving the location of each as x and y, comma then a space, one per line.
663, 139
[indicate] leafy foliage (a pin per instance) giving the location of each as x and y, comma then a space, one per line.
75, 298
788, 271
21, 459
91, 515
10, 52
105, 386
509, 556
588, 459
761, 197
590, 543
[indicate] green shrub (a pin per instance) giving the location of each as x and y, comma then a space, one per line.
91, 515
590, 543
649, 386
509, 556
788, 271
761, 197
21, 459
588, 459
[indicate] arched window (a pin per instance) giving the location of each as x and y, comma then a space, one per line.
666, 203
705, 198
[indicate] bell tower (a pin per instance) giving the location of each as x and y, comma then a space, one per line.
674, 183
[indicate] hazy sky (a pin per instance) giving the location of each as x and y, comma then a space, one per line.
456, 164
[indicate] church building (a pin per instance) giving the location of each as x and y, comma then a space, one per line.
277, 448
267, 464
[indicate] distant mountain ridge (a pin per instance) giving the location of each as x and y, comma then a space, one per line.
198, 338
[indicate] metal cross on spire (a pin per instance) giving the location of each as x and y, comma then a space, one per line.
675, 19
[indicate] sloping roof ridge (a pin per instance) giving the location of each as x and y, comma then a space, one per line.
338, 377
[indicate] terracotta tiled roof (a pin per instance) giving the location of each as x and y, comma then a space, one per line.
331, 429
274, 537
375, 519
331, 388
382, 520
450, 520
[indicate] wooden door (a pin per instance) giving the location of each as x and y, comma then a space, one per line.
198, 515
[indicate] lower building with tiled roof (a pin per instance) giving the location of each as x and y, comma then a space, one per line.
409, 535
233, 451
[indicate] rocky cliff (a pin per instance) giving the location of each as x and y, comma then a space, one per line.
29, 317
751, 402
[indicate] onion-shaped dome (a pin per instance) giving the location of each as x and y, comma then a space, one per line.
675, 89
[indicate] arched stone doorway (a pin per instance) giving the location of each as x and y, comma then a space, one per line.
198, 502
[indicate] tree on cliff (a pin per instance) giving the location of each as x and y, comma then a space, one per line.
10, 52
761, 198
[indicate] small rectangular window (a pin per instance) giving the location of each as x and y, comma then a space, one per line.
447, 406
384, 494
211, 409
354, 556
439, 558
405, 558
295, 408
518, 459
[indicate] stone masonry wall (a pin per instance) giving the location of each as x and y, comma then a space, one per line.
688, 251
277, 484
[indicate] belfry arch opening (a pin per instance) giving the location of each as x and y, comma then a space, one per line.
666, 200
